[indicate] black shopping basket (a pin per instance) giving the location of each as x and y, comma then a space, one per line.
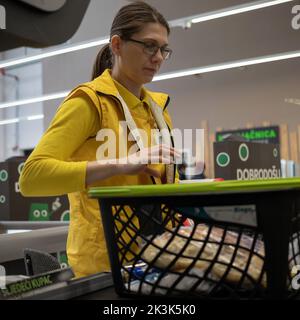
224, 240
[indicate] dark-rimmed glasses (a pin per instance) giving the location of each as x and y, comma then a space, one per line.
151, 49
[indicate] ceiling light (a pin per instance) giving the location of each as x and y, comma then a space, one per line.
53, 96
251, 6
227, 65
186, 22
53, 52
182, 22
291, 100
35, 117
173, 75
9, 121
16, 120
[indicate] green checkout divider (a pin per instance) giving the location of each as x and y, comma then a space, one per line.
194, 188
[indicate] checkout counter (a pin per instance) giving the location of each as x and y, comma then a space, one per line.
50, 237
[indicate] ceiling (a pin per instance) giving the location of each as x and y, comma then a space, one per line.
257, 33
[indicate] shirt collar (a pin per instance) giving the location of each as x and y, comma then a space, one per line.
107, 85
131, 100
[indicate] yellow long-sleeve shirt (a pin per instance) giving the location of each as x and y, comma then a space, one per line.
49, 171
58, 163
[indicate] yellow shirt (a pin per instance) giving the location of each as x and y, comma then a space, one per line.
58, 163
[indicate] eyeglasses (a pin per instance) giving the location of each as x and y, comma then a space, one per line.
151, 49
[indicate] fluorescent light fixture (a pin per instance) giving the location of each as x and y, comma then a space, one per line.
291, 100
54, 52
182, 22
9, 121
251, 6
12, 231
173, 75
53, 96
16, 120
227, 65
36, 117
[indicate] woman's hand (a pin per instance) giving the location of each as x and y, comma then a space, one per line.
133, 164
139, 161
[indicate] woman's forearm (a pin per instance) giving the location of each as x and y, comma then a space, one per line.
97, 171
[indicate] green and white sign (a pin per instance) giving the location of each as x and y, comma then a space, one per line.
259, 134
235, 160
39, 212
65, 216
20, 167
3, 175
2, 199
243, 152
63, 259
18, 208
223, 159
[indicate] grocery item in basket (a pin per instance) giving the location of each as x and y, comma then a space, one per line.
158, 283
224, 254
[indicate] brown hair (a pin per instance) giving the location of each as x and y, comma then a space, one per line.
128, 21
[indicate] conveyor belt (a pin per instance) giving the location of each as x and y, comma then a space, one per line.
90, 287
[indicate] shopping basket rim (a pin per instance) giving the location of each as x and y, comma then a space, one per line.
227, 186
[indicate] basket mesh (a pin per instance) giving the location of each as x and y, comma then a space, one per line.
161, 252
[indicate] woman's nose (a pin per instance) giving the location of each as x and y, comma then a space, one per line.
158, 56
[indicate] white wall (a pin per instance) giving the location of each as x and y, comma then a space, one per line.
226, 99
25, 134
54, 74
67, 71
232, 99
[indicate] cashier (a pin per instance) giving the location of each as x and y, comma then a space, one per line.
69, 158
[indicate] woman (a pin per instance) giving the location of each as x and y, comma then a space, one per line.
68, 159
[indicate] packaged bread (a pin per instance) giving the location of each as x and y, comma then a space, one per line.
226, 255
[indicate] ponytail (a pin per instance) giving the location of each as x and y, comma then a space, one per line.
102, 62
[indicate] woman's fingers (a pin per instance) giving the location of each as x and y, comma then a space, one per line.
163, 154
163, 151
161, 159
152, 172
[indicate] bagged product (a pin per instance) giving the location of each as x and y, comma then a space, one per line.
218, 253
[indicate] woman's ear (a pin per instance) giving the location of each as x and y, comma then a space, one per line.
116, 44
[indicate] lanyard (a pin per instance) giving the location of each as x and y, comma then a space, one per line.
157, 113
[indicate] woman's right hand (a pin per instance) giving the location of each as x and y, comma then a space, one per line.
139, 161
133, 164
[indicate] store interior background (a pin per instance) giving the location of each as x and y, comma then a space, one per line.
230, 99
226, 99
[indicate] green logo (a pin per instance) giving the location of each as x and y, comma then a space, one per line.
65, 216
63, 260
243, 152
3, 175
20, 167
223, 159
2, 199
275, 153
39, 212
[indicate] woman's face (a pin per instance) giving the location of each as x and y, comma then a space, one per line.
132, 60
